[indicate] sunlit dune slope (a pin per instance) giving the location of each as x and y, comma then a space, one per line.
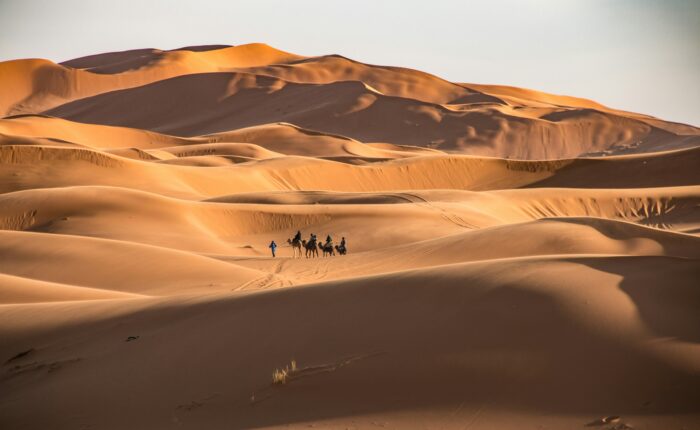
114, 265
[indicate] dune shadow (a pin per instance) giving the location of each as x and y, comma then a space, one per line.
648, 170
665, 291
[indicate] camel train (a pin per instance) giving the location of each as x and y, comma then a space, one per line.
312, 246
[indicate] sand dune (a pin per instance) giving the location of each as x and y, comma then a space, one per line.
27, 167
88, 135
216, 89
209, 103
16, 289
282, 138
234, 224
118, 62
114, 265
390, 81
290, 139
516, 259
554, 237
41, 84
517, 328
291, 173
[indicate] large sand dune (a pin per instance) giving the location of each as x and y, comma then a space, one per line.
214, 102
516, 259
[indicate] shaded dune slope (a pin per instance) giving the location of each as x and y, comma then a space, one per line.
208, 103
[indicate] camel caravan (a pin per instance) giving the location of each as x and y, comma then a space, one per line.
312, 246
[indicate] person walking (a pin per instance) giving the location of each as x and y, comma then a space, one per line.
273, 247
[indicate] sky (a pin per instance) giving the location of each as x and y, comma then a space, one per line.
636, 55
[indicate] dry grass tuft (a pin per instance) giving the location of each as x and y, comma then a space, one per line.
281, 376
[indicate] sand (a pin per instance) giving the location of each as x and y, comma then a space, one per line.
516, 259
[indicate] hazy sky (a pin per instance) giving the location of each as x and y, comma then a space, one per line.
638, 55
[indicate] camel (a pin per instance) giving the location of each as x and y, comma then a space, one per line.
341, 250
327, 250
310, 248
296, 246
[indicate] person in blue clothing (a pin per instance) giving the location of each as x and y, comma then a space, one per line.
273, 247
